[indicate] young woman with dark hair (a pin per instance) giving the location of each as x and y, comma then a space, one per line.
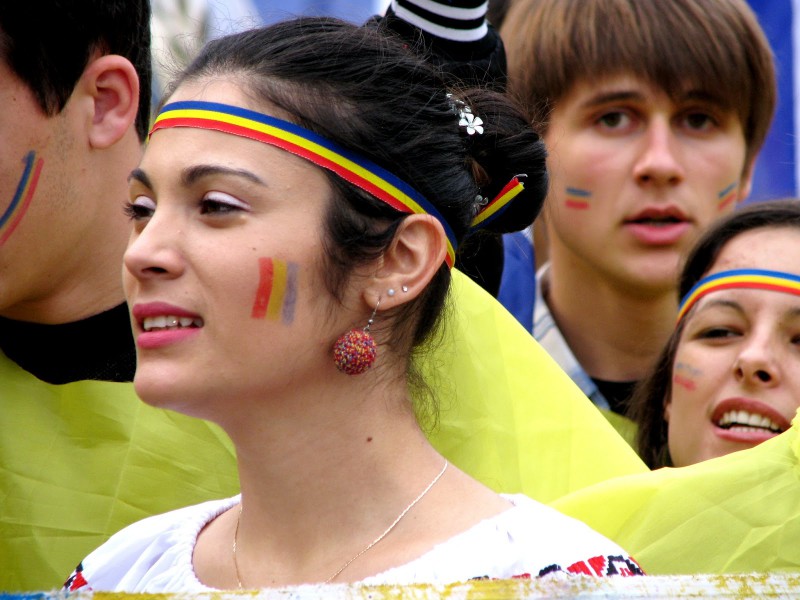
296, 215
725, 380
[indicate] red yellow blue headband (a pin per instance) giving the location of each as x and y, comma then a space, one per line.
305, 143
775, 281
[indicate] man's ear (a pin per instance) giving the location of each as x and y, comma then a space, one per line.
408, 265
111, 85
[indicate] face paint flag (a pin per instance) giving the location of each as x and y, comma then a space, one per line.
277, 290
21, 200
577, 198
727, 196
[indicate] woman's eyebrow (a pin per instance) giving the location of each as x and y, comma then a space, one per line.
719, 302
192, 174
140, 176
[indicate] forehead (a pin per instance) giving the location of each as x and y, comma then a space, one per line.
206, 144
632, 87
768, 248
222, 90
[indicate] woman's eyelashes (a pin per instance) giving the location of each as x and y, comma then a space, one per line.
220, 203
717, 332
212, 204
141, 207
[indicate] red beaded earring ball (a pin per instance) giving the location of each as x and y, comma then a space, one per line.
355, 352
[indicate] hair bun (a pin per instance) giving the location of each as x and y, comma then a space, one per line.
510, 164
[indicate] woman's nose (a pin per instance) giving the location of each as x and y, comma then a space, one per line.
154, 251
756, 363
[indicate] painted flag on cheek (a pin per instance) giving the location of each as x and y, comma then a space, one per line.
277, 290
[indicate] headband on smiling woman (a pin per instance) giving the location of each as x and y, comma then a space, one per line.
302, 142
759, 279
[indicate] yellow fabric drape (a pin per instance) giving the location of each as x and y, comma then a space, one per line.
510, 416
734, 514
623, 425
80, 461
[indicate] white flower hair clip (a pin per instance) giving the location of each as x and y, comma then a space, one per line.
471, 122
465, 116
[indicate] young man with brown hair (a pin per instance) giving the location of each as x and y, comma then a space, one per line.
653, 113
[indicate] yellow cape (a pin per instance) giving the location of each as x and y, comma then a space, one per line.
510, 416
734, 514
82, 460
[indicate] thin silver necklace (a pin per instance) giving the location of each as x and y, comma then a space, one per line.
368, 547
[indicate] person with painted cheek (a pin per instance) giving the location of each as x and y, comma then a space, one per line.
289, 256
726, 380
652, 127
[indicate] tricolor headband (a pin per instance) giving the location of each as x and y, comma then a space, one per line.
775, 281
302, 142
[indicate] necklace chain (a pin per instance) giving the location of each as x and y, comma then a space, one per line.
367, 548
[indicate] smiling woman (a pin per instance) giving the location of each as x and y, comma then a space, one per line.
295, 217
726, 379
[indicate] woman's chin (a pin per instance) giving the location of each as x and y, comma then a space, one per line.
160, 391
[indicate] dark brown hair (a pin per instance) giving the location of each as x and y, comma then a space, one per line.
377, 97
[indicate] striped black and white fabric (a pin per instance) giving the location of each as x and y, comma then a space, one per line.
455, 20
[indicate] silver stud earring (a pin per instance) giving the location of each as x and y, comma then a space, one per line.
404, 288
390, 292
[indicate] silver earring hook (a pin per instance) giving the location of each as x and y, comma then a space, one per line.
371, 320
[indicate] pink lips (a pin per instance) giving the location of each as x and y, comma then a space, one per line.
657, 226
161, 337
747, 435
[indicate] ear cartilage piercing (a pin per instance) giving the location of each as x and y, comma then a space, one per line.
404, 288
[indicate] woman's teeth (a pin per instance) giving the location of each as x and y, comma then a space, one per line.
170, 322
741, 418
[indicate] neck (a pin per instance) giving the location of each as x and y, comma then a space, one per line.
322, 466
325, 468
619, 338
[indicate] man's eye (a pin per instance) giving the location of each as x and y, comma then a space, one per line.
614, 120
699, 121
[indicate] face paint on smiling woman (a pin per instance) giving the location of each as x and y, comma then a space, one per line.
277, 290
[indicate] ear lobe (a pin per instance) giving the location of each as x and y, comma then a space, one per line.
408, 265
112, 84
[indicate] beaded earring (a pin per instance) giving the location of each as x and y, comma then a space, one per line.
355, 351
